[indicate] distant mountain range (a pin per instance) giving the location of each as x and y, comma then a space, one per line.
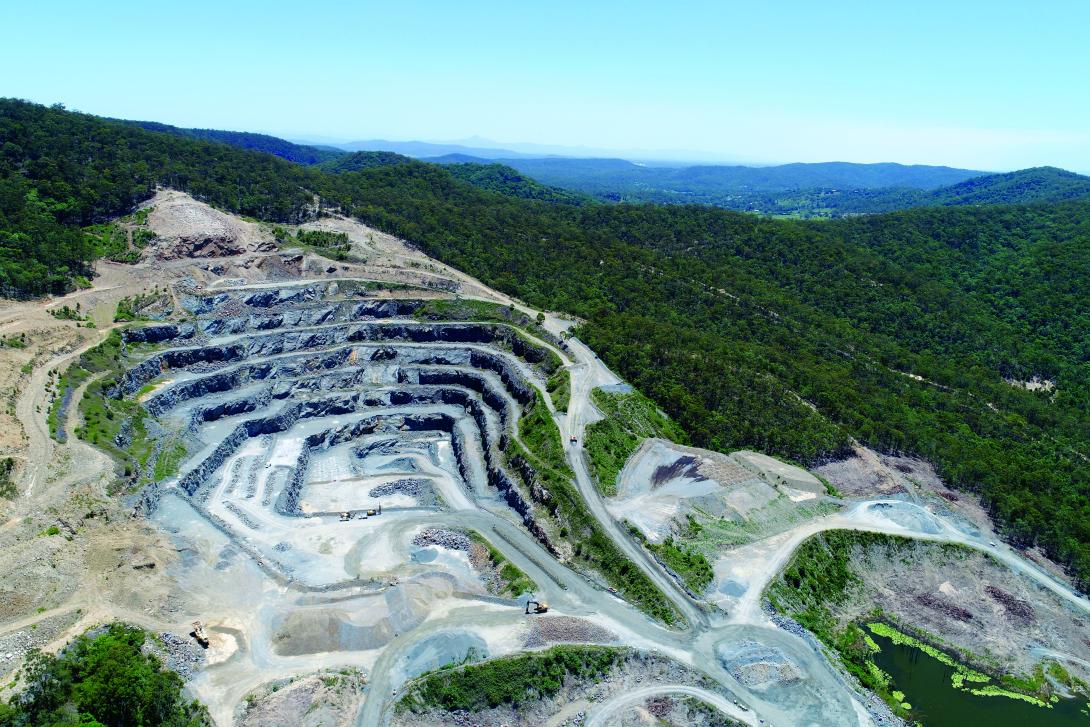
832, 189
423, 149
618, 176
828, 189
481, 148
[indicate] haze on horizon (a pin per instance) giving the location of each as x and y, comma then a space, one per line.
983, 85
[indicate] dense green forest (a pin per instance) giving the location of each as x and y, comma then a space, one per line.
505, 180
786, 336
361, 160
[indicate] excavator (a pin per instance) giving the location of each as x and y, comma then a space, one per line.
539, 606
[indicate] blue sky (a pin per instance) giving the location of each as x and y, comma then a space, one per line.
987, 85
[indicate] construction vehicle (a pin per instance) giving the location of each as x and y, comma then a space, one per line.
539, 606
346, 516
199, 634
573, 439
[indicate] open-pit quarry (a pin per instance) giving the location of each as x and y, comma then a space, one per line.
346, 472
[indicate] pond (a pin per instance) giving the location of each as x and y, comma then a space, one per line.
926, 684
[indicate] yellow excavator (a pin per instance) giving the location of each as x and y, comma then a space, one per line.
538, 606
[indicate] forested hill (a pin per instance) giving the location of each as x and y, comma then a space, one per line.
360, 160
1040, 184
298, 153
790, 337
505, 180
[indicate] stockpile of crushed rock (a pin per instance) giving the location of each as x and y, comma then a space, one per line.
181, 654
404, 486
566, 629
445, 538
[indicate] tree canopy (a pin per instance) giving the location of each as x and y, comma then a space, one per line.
101, 680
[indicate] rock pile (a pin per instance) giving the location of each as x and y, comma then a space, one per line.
15, 645
445, 538
404, 486
567, 629
182, 655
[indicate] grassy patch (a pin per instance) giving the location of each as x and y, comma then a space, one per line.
134, 308
515, 582
592, 546
170, 457
333, 245
688, 562
559, 388
118, 425
512, 681
713, 533
628, 420
123, 240
64, 313
468, 309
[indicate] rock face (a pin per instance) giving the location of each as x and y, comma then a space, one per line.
186, 228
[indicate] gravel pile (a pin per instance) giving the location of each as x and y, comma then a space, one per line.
13, 646
231, 308
567, 629
792, 626
405, 486
446, 538
181, 654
